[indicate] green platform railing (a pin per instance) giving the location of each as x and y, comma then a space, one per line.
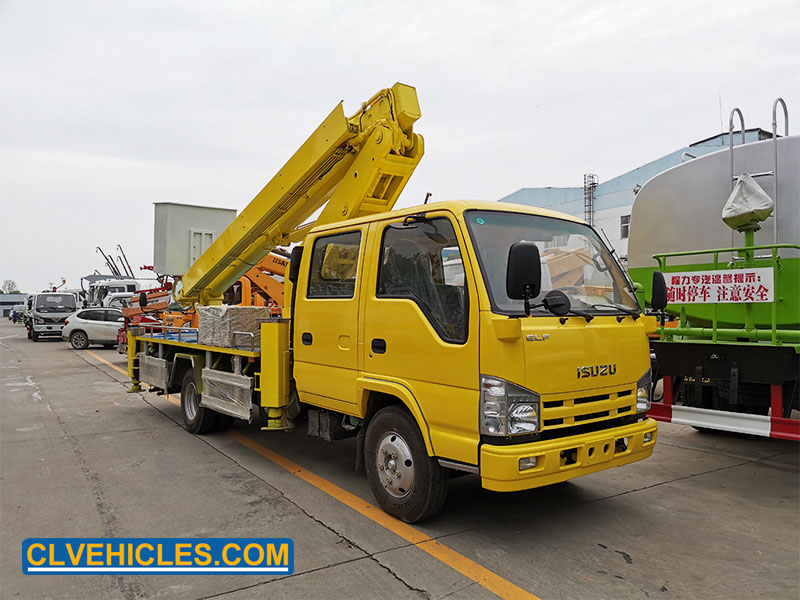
746, 255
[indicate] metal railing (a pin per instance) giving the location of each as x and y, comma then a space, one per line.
773, 335
249, 333
164, 328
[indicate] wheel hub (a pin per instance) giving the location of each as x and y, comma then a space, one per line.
395, 465
190, 402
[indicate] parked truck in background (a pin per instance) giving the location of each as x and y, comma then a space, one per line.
434, 335
731, 360
46, 313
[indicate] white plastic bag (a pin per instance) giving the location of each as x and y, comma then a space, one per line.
747, 205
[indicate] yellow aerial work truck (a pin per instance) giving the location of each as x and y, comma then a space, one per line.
447, 338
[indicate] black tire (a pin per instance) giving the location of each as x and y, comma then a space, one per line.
413, 488
79, 339
223, 422
196, 419
34, 336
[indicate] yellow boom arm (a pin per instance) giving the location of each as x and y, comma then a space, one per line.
354, 166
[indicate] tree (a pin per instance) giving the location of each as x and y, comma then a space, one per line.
9, 287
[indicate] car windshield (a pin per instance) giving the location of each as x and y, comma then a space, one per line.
574, 260
55, 303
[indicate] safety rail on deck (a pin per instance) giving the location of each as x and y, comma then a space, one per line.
773, 335
252, 339
164, 332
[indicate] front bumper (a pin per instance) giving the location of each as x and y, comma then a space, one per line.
564, 458
54, 329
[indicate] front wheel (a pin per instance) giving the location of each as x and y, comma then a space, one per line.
34, 336
406, 482
79, 340
196, 419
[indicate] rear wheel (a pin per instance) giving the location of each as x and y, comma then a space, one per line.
79, 340
196, 419
406, 482
223, 422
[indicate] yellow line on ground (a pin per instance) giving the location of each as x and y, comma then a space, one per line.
466, 566
169, 397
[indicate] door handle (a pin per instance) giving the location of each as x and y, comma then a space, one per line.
379, 346
307, 339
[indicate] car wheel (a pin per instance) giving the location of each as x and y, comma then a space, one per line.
406, 482
196, 419
34, 336
79, 339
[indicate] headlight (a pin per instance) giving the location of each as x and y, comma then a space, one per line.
643, 392
507, 409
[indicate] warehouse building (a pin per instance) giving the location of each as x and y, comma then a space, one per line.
8, 301
607, 205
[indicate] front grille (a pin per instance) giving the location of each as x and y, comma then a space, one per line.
564, 413
591, 416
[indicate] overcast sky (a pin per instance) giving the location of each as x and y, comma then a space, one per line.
107, 107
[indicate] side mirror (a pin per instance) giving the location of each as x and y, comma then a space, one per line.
523, 273
557, 302
294, 264
659, 299
121, 320
142, 300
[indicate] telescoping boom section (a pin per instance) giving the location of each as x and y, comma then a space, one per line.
352, 167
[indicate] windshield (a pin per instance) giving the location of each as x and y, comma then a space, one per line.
55, 303
574, 260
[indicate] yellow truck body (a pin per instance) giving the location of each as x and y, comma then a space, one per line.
400, 332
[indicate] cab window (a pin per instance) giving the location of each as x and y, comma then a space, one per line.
334, 263
421, 261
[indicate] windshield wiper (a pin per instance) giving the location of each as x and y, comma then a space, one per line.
580, 313
635, 314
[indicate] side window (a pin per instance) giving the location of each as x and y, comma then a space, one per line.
422, 262
624, 226
113, 315
92, 315
334, 263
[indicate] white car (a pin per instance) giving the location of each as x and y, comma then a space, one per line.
93, 326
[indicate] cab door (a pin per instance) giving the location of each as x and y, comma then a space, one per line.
326, 319
421, 326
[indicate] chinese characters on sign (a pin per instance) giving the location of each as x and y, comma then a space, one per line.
730, 285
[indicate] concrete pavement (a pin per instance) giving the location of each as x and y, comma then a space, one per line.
712, 516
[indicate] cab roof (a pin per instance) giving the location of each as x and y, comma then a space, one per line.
457, 207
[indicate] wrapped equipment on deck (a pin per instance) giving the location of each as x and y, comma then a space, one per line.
230, 326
